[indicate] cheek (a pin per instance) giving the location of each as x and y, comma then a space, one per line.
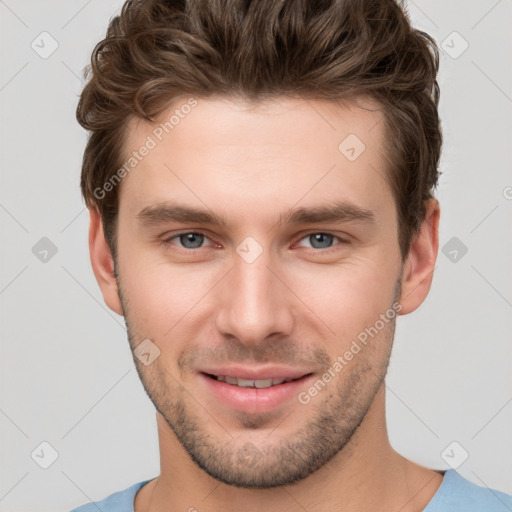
348, 297
167, 299
162, 297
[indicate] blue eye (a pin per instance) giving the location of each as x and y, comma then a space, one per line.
190, 240
321, 240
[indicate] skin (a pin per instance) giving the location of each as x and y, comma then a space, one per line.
298, 304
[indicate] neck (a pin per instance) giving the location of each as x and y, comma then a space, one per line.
366, 475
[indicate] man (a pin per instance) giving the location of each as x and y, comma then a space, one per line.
260, 181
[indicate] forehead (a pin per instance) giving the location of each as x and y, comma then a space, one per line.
255, 157
224, 121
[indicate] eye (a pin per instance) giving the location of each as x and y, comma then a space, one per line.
321, 240
188, 240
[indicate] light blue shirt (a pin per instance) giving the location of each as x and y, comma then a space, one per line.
456, 494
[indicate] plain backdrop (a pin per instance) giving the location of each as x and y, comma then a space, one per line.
67, 378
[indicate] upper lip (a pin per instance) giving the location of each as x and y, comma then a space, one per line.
256, 373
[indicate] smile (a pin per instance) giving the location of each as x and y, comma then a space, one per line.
245, 393
250, 383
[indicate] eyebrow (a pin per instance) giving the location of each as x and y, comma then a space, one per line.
170, 212
341, 211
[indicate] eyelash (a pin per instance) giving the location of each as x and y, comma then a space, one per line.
168, 241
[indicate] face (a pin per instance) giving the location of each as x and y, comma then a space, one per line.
257, 243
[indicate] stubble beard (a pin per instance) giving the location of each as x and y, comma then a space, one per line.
338, 411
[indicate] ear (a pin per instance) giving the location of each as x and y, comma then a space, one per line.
419, 268
103, 263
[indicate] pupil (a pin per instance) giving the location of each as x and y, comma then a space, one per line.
321, 240
191, 240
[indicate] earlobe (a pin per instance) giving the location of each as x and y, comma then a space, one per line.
103, 263
419, 268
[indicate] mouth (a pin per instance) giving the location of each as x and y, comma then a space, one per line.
250, 394
251, 383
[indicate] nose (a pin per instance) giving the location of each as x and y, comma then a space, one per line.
255, 302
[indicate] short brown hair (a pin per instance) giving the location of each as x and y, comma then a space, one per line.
158, 50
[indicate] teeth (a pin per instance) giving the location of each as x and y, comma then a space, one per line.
244, 383
263, 383
248, 383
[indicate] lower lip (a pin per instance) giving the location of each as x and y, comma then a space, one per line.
254, 400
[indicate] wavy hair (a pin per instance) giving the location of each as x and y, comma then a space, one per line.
157, 50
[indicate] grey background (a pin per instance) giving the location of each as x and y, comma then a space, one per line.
66, 372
